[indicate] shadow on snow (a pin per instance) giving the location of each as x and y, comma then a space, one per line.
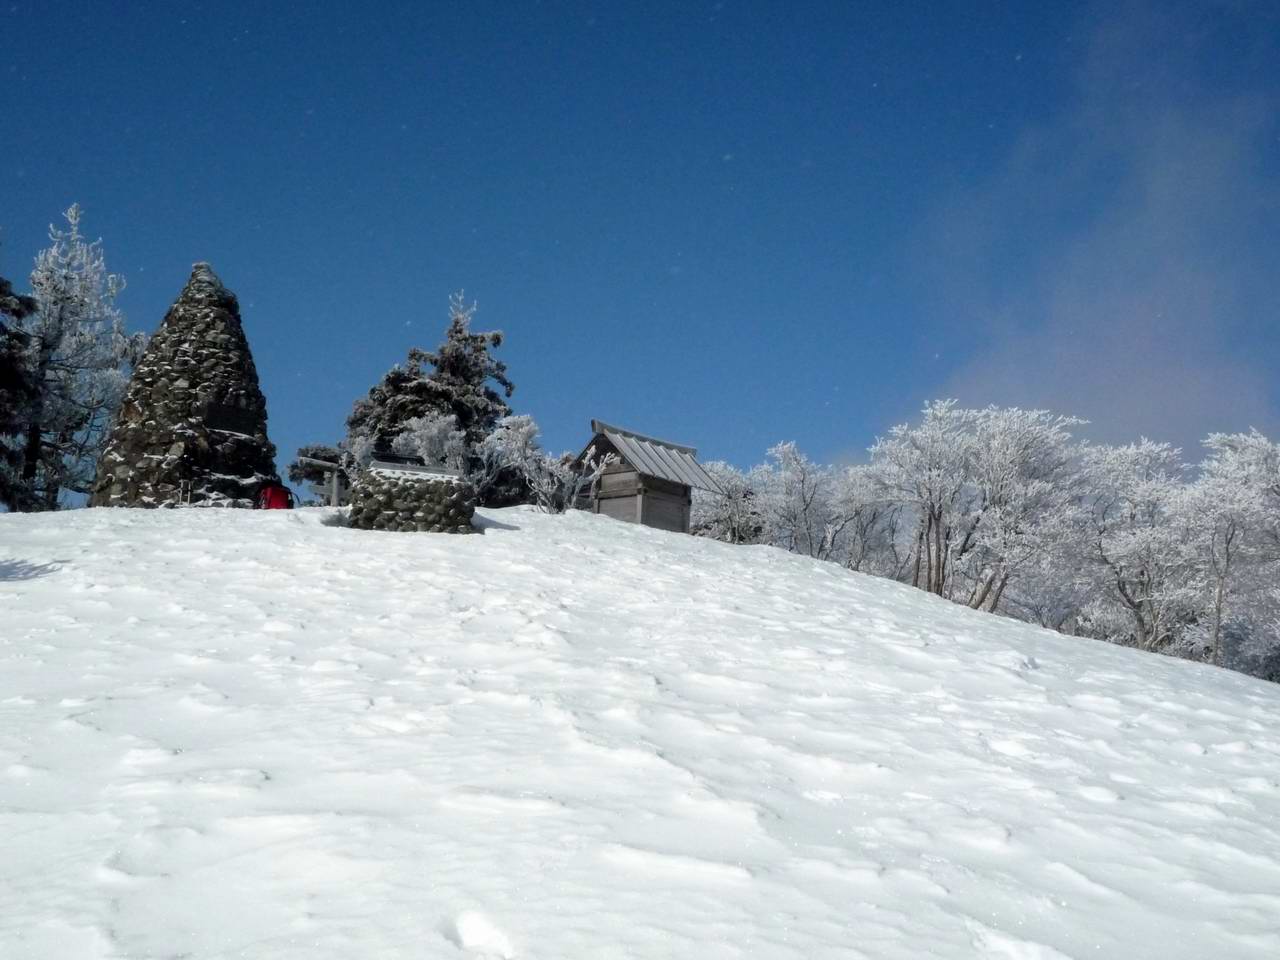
22, 570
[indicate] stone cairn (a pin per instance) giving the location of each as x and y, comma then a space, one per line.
192, 428
389, 499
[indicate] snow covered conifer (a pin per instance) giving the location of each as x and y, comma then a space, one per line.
457, 380
17, 386
78, 357
463, 371
15, 306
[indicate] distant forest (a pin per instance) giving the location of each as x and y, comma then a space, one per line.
1003, 510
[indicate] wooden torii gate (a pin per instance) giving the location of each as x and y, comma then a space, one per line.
334, 479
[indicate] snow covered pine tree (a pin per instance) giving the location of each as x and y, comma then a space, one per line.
17, 386
77, 356
457, 384
450, 390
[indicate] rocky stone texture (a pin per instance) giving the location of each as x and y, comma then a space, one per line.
193, 424
395, 500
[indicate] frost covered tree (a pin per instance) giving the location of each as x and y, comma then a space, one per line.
1022, 466
376, 419
555, 484
558, 483
1136, 541
460, 379
795, 502
502, 455
1252, 460
14, 306
988, 490
732, 512
435, 439
1051, 591
827, 513
870, 524
465, 373
1233, 512
1003, 510
927, 468
17, 386
78, 357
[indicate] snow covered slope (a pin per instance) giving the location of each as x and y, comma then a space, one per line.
252, 735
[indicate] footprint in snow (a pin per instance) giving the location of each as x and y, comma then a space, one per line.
1099, 794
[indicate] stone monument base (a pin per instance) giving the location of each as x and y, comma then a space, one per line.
412, 503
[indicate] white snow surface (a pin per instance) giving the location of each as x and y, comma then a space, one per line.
257, 735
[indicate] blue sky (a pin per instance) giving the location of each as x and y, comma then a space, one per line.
727, 224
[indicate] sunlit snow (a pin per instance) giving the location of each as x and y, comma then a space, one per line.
254, 735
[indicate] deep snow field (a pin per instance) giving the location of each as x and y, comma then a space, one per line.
230, 734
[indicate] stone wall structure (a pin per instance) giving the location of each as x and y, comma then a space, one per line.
193, 424
408, 502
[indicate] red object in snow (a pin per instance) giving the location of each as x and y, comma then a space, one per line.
274, 496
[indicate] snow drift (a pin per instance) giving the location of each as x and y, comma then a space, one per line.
238, 734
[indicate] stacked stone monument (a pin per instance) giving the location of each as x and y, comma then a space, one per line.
384, 498
193, 425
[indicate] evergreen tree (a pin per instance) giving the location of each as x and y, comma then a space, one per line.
13, 305
462, 375
16, 384
78, 356
457, 380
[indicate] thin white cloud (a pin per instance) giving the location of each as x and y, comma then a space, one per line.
1121, 264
